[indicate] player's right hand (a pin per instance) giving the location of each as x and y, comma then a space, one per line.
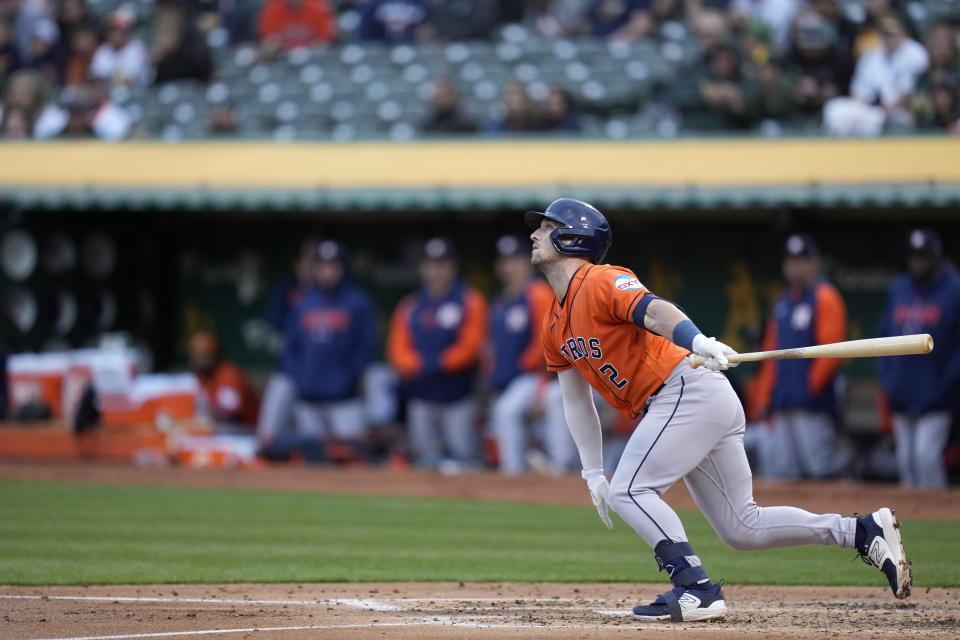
599, 493
715, 353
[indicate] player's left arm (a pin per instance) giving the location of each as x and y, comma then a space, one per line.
666, 319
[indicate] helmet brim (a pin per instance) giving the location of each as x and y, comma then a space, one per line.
533, 219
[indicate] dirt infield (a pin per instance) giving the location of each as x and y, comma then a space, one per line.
820, 497
450, 610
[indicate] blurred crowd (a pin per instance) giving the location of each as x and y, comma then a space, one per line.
465, 386
843, 67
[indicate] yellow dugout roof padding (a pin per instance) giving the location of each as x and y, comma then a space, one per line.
623, 168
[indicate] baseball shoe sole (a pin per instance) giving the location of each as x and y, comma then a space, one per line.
883, 548
682, 604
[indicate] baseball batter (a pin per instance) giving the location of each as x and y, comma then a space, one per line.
606, 330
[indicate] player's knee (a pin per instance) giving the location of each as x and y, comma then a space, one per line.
506, 414
741, 540
739, 534
928, 458
618, 492
619, 485
739, 537
622, 495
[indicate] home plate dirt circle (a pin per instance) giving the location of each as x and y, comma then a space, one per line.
452, 610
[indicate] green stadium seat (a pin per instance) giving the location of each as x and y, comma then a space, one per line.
311, 73
343, 132
321, 93
402, 131
287, 111
457, 53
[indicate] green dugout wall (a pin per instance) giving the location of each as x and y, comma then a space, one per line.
217, 270
207, 229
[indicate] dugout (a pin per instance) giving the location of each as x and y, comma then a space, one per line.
199, 233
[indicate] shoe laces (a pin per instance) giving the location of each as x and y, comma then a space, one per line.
864, 557
679, 590
861, 553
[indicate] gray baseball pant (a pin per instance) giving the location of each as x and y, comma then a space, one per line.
340, 420
509, 421
511, 427
803, 444
693, 430
436, 426
920, 444
276, 408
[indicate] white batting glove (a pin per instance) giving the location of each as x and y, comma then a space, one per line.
715, 353
599, 493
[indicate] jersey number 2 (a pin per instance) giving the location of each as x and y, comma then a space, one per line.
612, 373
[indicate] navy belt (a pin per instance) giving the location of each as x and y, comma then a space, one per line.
649, 400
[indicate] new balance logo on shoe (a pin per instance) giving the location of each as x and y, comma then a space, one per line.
688, 600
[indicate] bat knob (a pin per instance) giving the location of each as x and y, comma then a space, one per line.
696, 360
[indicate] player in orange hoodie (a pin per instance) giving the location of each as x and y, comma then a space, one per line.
226, 395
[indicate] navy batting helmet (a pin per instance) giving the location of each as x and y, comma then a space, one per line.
583, 230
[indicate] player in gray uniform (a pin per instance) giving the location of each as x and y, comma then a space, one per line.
692, 428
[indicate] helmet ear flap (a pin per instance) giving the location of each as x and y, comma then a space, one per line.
567, 239
569, 242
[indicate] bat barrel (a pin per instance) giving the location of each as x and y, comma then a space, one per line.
915, 344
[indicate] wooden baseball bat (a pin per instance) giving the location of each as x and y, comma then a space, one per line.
869, 348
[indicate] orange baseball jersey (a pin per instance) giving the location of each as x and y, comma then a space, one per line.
592, 329
229, 395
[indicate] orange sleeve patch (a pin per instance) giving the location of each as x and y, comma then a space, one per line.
617, 291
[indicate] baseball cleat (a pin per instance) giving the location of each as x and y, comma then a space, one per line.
686, 604
881, 546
